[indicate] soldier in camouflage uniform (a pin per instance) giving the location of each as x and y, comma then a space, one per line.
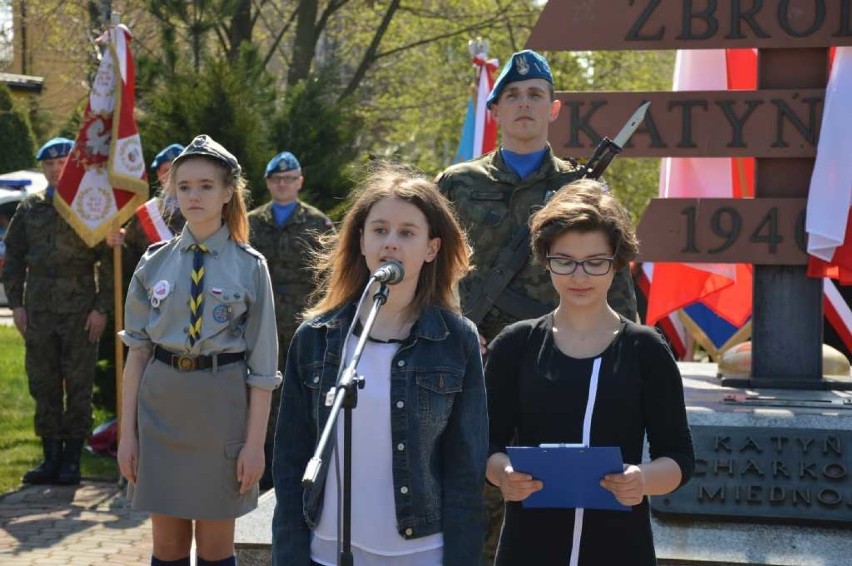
285, 230
60, 307
495, 195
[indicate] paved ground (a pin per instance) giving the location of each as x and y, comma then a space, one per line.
90, 524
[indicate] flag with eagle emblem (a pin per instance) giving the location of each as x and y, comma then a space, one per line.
104, 178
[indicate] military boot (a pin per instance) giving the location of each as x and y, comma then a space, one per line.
46, 471
69, 469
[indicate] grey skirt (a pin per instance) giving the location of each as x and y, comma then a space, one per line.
191, 427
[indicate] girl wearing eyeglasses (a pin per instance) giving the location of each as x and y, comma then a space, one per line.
583, 374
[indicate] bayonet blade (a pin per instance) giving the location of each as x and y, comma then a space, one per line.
631, 126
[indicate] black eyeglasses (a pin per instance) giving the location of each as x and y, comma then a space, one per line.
596, 266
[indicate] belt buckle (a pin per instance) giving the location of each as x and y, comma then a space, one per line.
184, 363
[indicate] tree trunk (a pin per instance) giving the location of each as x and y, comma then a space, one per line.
240, 29
304, 45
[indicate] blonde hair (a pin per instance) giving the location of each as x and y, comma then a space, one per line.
584, 206
340, 269
234, 212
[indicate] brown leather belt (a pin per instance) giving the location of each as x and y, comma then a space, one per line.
183, 362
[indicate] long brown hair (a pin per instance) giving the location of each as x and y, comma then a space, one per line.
340, 269
234, 212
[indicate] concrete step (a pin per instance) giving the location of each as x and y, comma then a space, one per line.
702, 540
253, 533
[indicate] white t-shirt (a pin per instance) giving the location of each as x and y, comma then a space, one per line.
375, 539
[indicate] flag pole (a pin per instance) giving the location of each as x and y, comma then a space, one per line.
118, 307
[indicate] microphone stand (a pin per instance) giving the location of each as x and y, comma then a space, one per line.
346, 397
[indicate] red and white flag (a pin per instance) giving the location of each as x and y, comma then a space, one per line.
104, 179
485, 132
670, 324
150, 215
724, 288
830, 195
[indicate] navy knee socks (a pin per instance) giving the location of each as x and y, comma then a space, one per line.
230, 561
179, 562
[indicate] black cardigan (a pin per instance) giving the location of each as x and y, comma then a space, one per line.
537, 394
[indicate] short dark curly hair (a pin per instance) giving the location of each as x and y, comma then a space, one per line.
584, 206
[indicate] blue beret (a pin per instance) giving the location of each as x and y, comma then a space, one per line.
284, 161
52, 149
167, 155
205, 146
523, 65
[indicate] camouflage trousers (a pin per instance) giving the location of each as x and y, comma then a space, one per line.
60, 365
494, 522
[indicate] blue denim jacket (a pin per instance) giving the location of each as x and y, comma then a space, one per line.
438, 410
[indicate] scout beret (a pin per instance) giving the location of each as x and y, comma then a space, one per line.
523, 65
57, 147
205, 146
284, 161
167, 155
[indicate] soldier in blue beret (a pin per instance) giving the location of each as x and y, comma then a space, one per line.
60, 308
494, 195
53, 155
284, 230
163, 161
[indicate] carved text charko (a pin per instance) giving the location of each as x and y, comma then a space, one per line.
777, 473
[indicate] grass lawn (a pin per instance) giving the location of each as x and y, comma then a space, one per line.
20, 449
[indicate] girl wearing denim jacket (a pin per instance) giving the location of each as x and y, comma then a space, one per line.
420, 429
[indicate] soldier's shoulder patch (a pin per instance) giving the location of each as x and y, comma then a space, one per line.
250, 250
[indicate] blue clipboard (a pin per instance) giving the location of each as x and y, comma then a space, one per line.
571, 475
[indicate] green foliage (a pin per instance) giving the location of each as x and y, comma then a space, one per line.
16, 135
195, 19
72, 125
414, 98
322, 133
404, 96
228, 101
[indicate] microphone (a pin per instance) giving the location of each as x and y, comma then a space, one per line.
391, 272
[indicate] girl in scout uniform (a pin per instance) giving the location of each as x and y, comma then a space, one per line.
420, 427
200, 326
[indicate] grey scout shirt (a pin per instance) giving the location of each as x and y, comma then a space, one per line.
238, 307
